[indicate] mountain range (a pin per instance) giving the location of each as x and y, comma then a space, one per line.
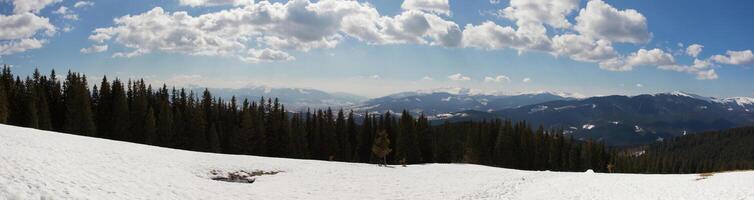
295, 99
618, 120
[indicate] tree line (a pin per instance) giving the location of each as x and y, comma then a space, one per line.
712, 151
134, 111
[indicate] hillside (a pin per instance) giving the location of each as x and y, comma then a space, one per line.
630, 120
38, 164
709, 151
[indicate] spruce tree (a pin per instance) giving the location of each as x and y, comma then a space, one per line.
150, 127
3, 104
118, 119
381, 147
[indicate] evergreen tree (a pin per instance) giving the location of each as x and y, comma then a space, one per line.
3, 105
407, 144
150, 127
119, 113
381, 147
79, 118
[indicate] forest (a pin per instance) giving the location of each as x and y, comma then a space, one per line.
133, 111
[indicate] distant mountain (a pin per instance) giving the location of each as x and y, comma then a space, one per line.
443, 102
293, 98
629, 120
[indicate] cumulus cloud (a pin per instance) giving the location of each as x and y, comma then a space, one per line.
734, 58
273, 27
602, 21
24, 30
24, 25
199, 3
83, 4
701, 68
94, 49
33, 6
694, 50
268, 55
537, 12
581, 48
526, 80
435, 6
641, 57
497, 79
459, 77
17, 46
490, 36
66, 13
427, 78
639, 85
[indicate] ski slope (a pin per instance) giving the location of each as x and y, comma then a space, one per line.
47, 165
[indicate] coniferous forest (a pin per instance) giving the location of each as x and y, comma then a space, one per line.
133, 111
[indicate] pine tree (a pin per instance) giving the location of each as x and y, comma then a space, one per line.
119, 113
365, 139
381, 147
165, 120
79, 117
3, 104
150, 127
407, 143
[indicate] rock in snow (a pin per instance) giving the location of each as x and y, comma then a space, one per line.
47, 165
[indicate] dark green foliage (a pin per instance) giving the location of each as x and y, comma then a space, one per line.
697, 153
381, 147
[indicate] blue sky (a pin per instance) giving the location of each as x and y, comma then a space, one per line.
374, 48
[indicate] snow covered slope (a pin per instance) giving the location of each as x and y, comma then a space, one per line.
47, 165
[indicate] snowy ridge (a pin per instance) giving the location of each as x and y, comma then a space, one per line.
740, 101
47, 165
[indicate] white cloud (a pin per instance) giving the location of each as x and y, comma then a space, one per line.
497, 79
734, 58
157, 30
33, 6
494, 1
24, 25
707, 75
490, 36
435, 6
581, 48
694, 50
701, 68
375, 76
459, 77
526, 80
66, 13
427, 78
198, 3
602, 21
295, 25
94, 49
537, 12
67, 28
82, 4
268, 55
23, 31
17, 46
655, 57
639, 85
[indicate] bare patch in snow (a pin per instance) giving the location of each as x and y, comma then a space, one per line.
240, 176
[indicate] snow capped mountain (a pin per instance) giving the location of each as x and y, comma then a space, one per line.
446, 100
629, 120
293, 98
732, 103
